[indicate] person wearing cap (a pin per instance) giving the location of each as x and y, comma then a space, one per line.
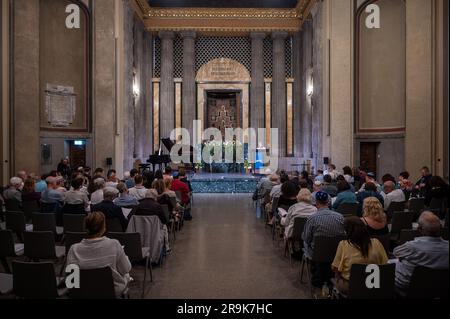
371, 178
109, 209
370, 190
316, 188
324, 223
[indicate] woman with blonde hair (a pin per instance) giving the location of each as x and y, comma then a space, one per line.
374, 217
168, 184
303, 209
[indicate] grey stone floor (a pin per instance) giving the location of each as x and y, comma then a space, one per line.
225, 252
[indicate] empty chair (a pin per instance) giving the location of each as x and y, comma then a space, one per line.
6, 284
348, 209
135, 252
416, 205
13, 205
15, 221
170, 221
296, 238
35, 280
30, 207
428, 283
407, 235
113, 225
41, 245
71, 238
8, 249
52, 208
395, 207
385, 240
359, 290
324, 252
400, 221
73, 223
73, 209
94, 284
46, 222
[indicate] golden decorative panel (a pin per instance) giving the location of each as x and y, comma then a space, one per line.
178, 107
223, 19
290, 114
156, 116
268, 111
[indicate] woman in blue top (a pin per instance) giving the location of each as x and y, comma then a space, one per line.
345, 195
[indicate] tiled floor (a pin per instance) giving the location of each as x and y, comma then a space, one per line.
225, 252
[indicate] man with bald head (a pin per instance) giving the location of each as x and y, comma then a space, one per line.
429, 251
392, 194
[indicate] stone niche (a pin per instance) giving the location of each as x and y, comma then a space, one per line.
223, 74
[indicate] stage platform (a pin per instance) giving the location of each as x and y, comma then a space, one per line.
223, 183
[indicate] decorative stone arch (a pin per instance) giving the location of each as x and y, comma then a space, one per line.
223, 74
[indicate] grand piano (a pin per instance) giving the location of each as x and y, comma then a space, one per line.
163, 160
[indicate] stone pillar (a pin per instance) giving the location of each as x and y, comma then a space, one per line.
167, 113
26, 95
188, 86
257, 87
104, 107
279, 114
307, 107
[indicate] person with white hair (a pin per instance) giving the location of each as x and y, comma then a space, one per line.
13, 192
60, 184
108, 208
303, 209
429, 250
22, 175
97, 195
392, 194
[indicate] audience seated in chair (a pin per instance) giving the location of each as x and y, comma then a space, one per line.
13, 192
29, 193
345, 195
138, 191
125, 199
439, 189
369, 190
430, 251
97, 195
392, 194
324, 223
359, 248
109, 209
370, 178
328, 186
51, 195
302, 209
374, 217
97, 251
76, 196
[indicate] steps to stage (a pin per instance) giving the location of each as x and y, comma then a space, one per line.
224, 183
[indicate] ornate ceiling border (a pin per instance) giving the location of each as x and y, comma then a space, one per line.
223, 20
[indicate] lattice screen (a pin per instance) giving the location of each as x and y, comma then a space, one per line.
209, 48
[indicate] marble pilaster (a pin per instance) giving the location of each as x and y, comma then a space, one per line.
167, 103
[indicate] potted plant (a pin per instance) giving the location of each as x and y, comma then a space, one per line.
247, 166
198, 167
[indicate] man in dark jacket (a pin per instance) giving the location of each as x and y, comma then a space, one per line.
109, 209
149, 207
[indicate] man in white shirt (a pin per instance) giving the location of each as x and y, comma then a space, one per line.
392, 194
138, 191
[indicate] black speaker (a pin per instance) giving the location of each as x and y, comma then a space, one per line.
326, 160
109, 161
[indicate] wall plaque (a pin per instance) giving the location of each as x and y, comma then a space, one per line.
60, 105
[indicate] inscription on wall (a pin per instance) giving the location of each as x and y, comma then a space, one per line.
60, 105
223, 70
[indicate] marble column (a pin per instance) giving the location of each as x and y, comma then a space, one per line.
26, 95
279, 114
257, 87
167, 113
188, 86
298, 90
307, 44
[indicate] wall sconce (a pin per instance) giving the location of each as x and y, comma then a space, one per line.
135, 85
310, 85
